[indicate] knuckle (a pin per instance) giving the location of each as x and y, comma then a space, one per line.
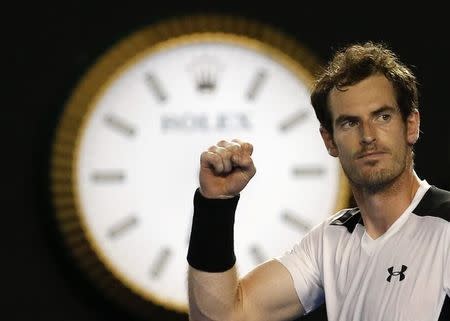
222, 143
234, 145
221, 150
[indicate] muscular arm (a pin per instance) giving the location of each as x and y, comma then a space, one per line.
215, 291
266, 293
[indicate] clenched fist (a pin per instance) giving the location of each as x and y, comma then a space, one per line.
226, 168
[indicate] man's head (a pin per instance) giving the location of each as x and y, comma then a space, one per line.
355, 63
367, 104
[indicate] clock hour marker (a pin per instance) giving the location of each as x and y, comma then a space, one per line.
110, 176
160, 263
257, 254
294, 120
123, 226
295, 221
308, 171
119, 125
156, 87
256, 84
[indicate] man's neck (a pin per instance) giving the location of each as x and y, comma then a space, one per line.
379, 210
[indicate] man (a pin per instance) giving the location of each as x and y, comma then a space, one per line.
387, 259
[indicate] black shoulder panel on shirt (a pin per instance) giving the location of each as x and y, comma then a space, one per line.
349, 219
435, 202
445, 312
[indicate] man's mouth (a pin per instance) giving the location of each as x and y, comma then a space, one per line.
371, 155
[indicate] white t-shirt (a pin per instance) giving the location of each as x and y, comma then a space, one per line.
403, 275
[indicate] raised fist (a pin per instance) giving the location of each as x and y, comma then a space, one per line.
226, 168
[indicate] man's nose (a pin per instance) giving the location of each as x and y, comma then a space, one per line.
368, 135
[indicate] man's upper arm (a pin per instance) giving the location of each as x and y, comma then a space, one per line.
268, 293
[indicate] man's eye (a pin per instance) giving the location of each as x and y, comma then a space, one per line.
384, 117
348, 124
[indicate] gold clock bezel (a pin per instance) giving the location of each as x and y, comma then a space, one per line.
170, 33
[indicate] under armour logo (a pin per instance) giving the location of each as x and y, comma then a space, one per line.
392, 273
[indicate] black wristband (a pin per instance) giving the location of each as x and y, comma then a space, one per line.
211, 245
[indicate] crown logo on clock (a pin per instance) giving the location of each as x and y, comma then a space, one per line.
206, 80
205, 70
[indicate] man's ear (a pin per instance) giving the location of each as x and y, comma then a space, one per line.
413, 127
329, 142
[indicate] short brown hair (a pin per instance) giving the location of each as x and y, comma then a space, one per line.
357, 62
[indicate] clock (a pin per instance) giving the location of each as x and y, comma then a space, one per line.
126, 153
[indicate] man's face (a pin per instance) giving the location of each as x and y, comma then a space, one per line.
370, 137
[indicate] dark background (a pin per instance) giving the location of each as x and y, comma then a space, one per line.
49, 46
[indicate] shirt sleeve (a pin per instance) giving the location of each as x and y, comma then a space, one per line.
303, 262
447, 264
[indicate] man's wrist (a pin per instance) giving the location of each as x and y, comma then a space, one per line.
206, 195
211, 245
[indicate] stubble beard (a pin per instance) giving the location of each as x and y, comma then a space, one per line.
374, 180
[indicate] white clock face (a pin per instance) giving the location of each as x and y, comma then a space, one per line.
138, 159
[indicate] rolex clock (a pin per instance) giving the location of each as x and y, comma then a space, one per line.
127, 148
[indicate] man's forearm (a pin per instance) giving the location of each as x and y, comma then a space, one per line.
212, 276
